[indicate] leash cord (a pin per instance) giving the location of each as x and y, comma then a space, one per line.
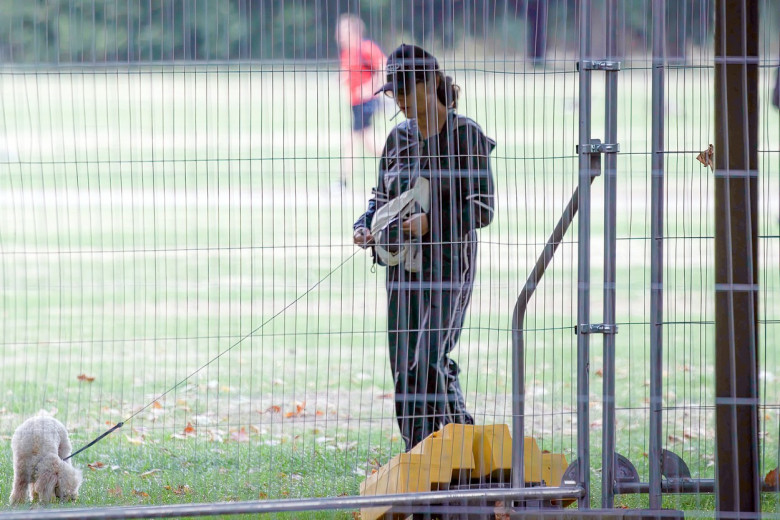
215, 358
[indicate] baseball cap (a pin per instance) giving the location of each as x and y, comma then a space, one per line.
407, 65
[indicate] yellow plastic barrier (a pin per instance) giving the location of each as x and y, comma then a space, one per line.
456, 453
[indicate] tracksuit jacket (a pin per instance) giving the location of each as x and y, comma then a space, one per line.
426, 309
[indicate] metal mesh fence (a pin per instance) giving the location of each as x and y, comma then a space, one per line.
178, 187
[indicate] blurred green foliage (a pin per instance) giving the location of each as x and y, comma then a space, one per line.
94, 31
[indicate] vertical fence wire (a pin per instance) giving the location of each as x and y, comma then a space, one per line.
174, 175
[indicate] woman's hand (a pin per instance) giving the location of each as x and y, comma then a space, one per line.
362, 237
416, 225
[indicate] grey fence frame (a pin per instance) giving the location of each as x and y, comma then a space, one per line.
590, 151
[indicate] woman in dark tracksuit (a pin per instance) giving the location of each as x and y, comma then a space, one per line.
427, 304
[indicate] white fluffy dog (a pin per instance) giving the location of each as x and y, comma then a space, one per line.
39, 445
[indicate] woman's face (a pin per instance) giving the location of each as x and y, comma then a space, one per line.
418, 102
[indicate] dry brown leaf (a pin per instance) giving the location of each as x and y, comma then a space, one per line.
96, 465
149, 473
189, 429
674, 439
300, 407
262, 496
500, 511
706, 157
156, 405
179, 490
85, 377
772, 479
115, 492
138, 441
319, 413
600, 373
142, 494
272, 409
240, 435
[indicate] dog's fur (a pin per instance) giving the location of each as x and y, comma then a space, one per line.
39, 445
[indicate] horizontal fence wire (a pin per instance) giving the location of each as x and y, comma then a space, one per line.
173, 175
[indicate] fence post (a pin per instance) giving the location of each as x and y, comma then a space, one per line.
657, 252
583, 260
610, 229
736, 255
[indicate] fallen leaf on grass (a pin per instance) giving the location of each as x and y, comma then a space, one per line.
600, 373
500, 511
137, 441
179, 490
115, 492
300, 406
149, 473
262, 496
156, 405
95, 465
240, 435
271, 409
85, 377
772, 478
189, 429
142, 494
674, 439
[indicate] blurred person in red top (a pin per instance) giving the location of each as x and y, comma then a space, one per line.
362, 72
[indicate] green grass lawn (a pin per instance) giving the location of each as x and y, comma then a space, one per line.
154, 218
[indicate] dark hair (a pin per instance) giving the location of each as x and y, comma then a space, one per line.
447, 91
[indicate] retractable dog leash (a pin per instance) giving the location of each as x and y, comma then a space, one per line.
174, 387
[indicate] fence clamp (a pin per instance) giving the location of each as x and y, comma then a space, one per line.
598, 65
596, 328
599, 148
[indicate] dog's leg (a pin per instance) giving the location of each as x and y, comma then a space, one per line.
20, 490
